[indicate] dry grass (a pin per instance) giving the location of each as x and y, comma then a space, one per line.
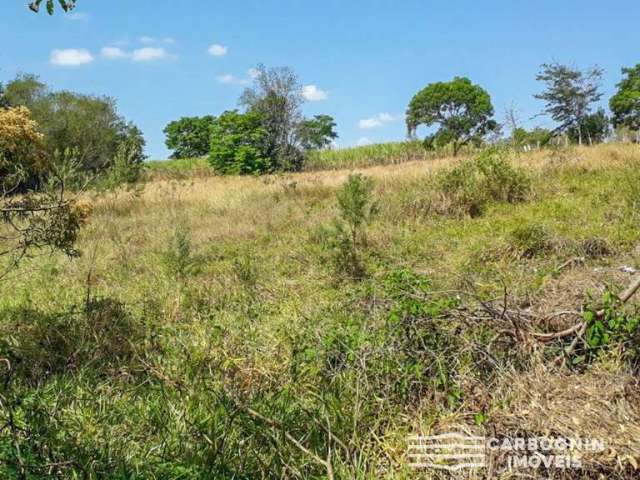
263, 296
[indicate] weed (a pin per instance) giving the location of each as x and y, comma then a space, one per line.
178, 259
531, 240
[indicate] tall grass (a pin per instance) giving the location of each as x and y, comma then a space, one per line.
206, 333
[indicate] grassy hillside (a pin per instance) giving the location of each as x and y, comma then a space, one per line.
215, 328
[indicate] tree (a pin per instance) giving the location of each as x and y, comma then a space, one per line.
189, 137
238, 144
569, 95
276, 98
625, 104
88, 124
594, 128
538, 137
317, 133
66, 5
33, 219
462, 110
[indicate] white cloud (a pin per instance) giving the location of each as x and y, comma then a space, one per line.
147, 40
377, 121
114, 53
364, 141
78, 16
169, 40
71, 57
313, 94
148, 54
218, 50
229, 79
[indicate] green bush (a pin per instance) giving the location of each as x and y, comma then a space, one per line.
530, 240
471, 186
237, 144
348, 238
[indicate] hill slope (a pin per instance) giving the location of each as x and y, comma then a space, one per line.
212, 330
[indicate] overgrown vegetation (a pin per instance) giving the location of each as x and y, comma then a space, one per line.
207, 332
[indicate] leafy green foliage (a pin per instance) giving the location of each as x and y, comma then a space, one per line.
625, 104
538, 137
189, 137
595, 128
238, 144
317, 133
530, 240
569, 95
179, 259
462, 110
469, 187
275, 99
614, 328
348, 239
88, 124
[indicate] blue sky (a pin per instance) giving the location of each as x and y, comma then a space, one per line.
362, 61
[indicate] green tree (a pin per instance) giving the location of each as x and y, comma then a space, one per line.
88, 124
462, 110
538, 137
317, 132
569, 95
238, 144
625, 104
34, 219
189, 137
276, 97
595, 128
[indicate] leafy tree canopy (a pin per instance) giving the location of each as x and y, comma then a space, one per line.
189, 137
462, 110
569, 95
595, 128
317, 132
625, 104
88, 124
238, 144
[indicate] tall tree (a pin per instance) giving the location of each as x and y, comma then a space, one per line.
570, 95
276, 97
317, 132
189, 137
625, 104
462, 110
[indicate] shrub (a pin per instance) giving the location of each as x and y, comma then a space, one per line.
530, 240
357, 208
22, 154
469, 187
615, 327
179, 259
237, 144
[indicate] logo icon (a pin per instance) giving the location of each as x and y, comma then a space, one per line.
448, 451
